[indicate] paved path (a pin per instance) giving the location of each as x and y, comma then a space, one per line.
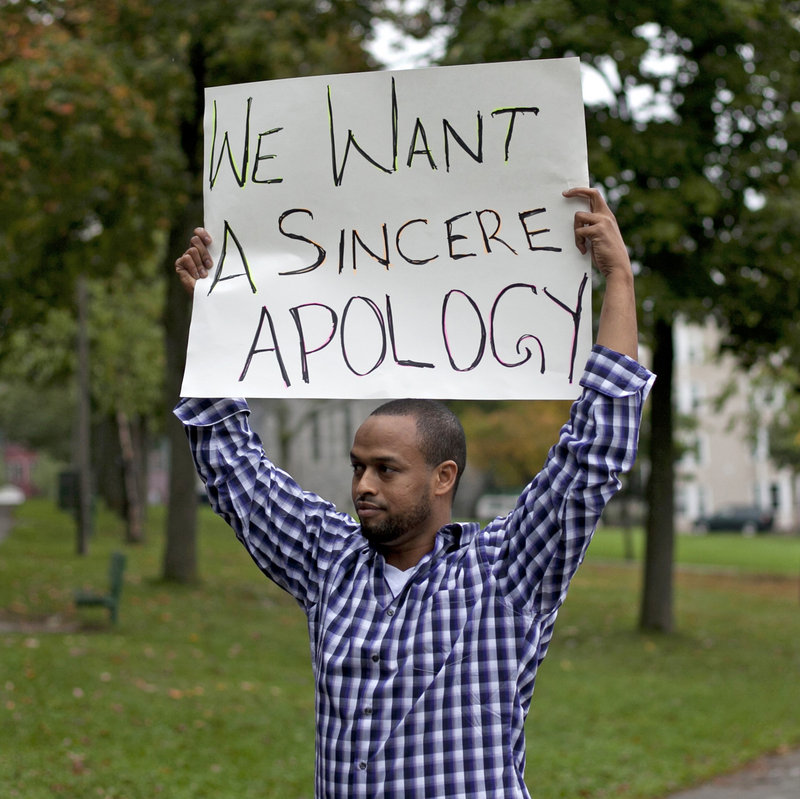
769, 777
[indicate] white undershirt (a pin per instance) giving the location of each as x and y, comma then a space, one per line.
396, 578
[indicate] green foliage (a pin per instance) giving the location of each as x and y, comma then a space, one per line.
100, 120
698, 116
206, 690
82, 156
127, 348
49, 429
694, 137
784, 432
510, 440
101, 108
37, 394
37, 400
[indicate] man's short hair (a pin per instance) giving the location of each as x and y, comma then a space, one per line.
441, 436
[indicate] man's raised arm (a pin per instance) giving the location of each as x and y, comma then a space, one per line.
597, 229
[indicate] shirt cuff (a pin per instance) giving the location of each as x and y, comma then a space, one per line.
200, 412
616, 375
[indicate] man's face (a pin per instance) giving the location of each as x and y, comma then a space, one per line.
392, 484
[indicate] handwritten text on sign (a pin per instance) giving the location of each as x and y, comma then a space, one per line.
394, 234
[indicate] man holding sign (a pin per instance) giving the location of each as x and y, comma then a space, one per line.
426, 635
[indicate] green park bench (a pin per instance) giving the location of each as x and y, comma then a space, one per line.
112, 598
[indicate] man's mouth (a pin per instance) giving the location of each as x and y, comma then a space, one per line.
366, 510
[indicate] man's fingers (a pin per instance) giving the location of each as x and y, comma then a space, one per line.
200, 242
596, 201
191, 263
202, 233
584, 234
201, 259
186, 270
587, 226
196, 262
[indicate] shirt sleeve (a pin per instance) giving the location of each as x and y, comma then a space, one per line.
534, 551
290, 534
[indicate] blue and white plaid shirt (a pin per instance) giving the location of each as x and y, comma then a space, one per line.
425, 694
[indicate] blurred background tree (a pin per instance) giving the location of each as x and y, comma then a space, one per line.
101, 109
38, 398
693, 135
509, 441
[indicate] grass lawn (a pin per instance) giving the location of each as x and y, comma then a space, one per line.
206, 691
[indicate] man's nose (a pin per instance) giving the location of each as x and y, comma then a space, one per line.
365, 484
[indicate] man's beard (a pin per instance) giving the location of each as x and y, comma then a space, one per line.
395, 526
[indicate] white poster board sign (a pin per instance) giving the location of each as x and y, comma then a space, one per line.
394, 234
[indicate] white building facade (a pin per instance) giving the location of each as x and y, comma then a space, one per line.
724, 415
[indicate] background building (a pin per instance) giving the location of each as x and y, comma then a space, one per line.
724, 418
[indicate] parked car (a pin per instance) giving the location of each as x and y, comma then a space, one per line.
11, 495
746, 519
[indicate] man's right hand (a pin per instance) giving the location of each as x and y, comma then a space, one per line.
195, 263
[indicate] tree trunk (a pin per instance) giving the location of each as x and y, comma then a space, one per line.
84, 437
656, 604
109, 482
134, 501
180, 550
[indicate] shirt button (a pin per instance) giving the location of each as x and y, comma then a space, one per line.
376, 658
367, 711
362, 765
390, 612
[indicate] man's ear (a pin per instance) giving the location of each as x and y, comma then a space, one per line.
446, 473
